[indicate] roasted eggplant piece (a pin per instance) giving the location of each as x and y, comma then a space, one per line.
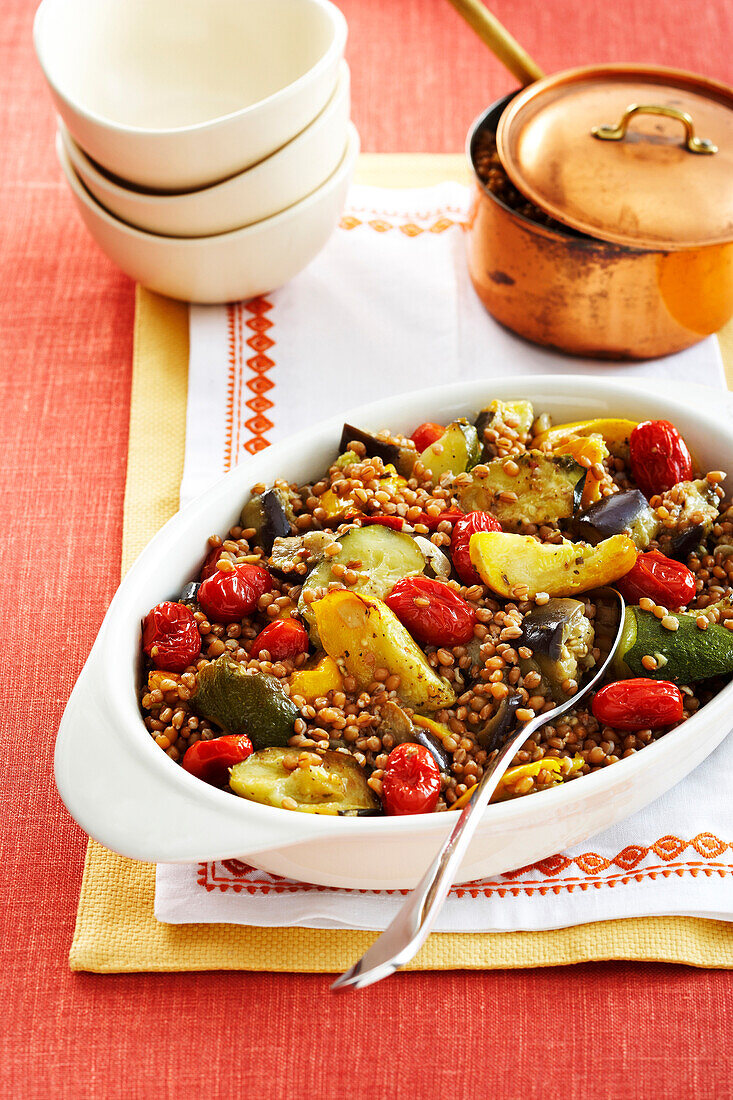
495, 732
560, 636
299, 553
626, 513
362, 634
455, 452
691, 504
271, 514
378, 555
242, 702
680, 545
189, 593
403, 730
402, 458
511, 564
324, 783
547, 488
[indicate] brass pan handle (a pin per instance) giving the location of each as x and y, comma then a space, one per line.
617, 133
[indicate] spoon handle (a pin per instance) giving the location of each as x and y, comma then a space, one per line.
411, 927
499, 41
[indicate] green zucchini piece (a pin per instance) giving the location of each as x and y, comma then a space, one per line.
455, 452
684, 656
333, 784
242, 702
386, 557
495, 416
548, 488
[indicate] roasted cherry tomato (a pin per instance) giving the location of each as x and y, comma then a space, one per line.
209, 567
411, 781
395, 522
659, 456
432, 522
211, 760
282, 639
446, 618
226, 597
171, 636
661, 579
462, 530
426, 434
638, 704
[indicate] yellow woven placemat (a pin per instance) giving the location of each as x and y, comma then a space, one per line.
116, 929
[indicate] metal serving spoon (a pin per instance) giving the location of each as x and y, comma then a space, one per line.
411, 927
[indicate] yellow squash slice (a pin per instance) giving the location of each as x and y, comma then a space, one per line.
510, 564
362, 634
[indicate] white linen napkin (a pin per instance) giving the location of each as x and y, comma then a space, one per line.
388, 307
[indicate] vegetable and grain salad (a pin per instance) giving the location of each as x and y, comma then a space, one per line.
365, 644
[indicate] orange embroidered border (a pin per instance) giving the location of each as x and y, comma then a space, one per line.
259, 342
409, 228
592, 866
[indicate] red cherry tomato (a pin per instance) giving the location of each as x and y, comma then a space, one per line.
395, 522
226, 597
659, 456
426, 434
211, 760
446, 620
661, 579
209, 567
638, 704
282, 639
466, 526
171, 636
432, 522
411, 781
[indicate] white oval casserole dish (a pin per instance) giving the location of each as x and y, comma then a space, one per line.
131, 797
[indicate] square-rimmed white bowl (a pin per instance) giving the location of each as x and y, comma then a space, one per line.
130, 796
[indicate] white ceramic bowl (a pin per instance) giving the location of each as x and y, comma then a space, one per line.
229, 266
176, 94
274, 184
128, 794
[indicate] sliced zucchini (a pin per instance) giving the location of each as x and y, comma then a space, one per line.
560, 635
496, 416
547, 488
684, 655
378, 555
402, 458
324, 783
241, 702
299, 553
362, 635
455, 452
271, 514
626, 513
509, 563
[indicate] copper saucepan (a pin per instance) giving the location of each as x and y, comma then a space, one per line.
633, 167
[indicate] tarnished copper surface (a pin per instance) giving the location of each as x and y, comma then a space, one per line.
588, 296
647, 188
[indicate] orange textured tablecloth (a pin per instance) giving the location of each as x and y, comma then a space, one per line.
66, 322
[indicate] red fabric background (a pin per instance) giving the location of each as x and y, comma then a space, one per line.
66, 316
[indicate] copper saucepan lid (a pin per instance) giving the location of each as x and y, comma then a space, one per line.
635, 155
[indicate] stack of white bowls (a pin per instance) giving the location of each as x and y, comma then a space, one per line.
207, 143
